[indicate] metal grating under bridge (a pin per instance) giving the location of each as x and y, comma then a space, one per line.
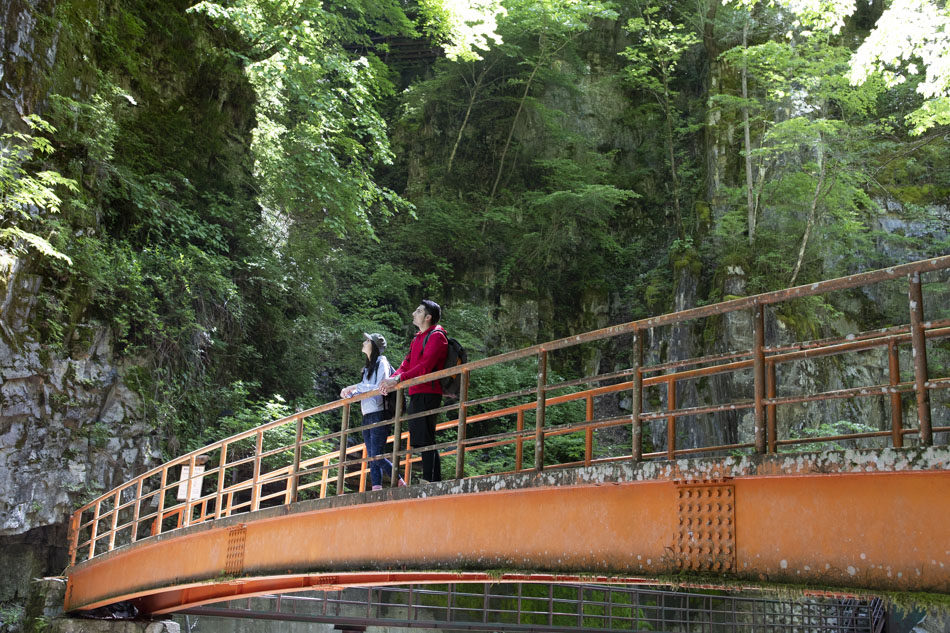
556, 608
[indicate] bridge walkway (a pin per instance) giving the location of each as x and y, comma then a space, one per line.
248, 492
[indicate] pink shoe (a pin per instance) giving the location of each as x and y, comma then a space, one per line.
377, 487
402, 482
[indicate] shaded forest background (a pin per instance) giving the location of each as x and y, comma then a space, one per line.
238, 191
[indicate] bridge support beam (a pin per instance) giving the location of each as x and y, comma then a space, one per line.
872, 520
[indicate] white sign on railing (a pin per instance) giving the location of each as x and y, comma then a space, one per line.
195, 483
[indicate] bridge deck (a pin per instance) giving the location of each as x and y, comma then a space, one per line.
255, 512
864, 520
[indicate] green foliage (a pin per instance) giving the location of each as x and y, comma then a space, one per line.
28, 195
933, 112
806, 316
252, 413
316, 112
911, 38
566, 224
11, 615
462, 27
657, 53
831, 186
814, 163
825, 429
41, 624
659, 45
230, 185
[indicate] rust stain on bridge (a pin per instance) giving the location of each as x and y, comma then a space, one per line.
874, 520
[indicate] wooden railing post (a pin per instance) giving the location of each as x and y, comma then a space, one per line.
344, 427
364, 468
325, 477
671, 420
771, 431
74, 523
186, 510
588, 432
294, 477
116, 501
95, 529
136, 509
897, 413
397, 433
519, 441
256, 482
636, 396
219, 497
460, 448
919, 345
539, 415
161, 502
758, 374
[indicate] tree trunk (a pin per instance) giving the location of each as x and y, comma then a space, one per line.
458, 137
747, 136
667, 107
468, 111
715, 152
543, 57
511, 131
813, 212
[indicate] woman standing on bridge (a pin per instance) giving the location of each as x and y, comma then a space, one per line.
376, 369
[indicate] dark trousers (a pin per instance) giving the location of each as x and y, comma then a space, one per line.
375, 440
422, 432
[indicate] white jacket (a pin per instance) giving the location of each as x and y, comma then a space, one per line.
370, 382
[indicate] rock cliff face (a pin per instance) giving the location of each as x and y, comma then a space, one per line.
21, 61
70, 426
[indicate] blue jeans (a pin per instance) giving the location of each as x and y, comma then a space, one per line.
375, 440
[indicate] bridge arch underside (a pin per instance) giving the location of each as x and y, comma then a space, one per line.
844, 521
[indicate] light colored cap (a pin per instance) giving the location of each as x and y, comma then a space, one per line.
377, 339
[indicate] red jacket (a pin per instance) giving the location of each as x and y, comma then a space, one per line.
419, 362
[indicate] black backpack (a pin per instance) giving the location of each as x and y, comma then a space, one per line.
454, 356
389, 404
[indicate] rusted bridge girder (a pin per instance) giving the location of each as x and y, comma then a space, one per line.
864, 520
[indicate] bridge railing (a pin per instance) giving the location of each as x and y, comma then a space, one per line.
562, 608
290, 459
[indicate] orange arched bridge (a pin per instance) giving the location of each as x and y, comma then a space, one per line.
266, 511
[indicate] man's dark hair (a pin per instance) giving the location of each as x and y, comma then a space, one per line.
432, 309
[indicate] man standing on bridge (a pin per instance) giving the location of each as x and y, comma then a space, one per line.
426, 354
